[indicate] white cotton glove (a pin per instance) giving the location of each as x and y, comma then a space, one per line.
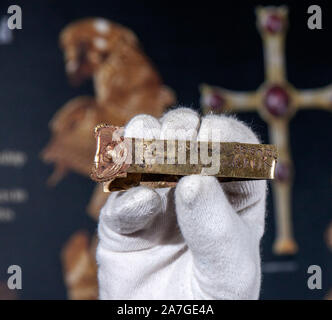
199, 240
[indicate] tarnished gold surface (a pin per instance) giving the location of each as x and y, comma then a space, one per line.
161, 163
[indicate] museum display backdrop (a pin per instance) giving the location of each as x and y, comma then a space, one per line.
47, 228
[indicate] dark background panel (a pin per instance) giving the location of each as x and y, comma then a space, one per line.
190, 43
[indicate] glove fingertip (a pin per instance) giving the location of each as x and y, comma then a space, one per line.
131, 211
143, 126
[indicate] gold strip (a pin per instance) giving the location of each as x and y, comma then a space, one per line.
127, 162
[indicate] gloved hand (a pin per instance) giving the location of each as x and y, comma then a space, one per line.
199, 240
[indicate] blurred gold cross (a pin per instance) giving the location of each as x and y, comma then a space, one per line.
276, 100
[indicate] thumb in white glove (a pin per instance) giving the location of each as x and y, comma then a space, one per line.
197, 241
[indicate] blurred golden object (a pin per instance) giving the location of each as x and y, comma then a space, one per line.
328, 236
80, 268
6, 293
97, 201
277, 101
329, 295
232, 160
126, 83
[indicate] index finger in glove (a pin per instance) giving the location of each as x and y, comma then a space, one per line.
132, 211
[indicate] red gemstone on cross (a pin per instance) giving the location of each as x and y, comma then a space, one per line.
283, 172
215, 101
276, 101
273, 23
